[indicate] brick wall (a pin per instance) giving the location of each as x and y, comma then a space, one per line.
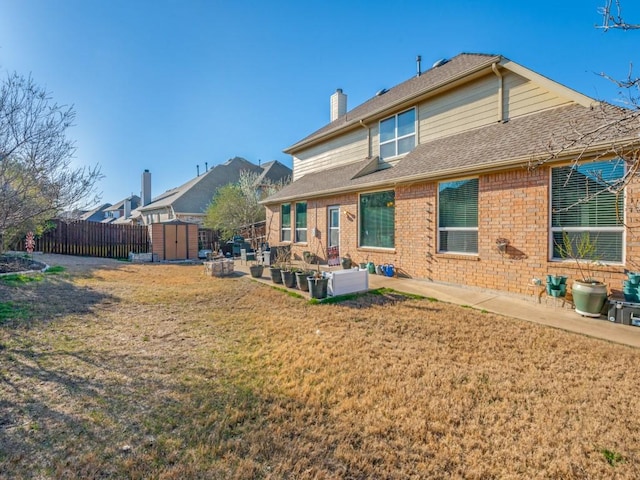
512, 205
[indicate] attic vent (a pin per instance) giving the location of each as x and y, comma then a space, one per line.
381, 92
439, 63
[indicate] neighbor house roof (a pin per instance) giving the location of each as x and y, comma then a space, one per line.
273, 172
194, 196
135, 201
500, 145
96, 214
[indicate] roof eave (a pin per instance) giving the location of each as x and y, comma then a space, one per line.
525, 161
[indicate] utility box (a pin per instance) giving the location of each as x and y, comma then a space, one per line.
626, 313
342, 282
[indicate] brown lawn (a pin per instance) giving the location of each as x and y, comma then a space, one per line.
156, 371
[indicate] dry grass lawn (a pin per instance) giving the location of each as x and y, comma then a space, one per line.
156, 371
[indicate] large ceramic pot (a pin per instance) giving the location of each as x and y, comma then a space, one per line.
589, 297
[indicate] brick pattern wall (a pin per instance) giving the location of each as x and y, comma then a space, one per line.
512, 205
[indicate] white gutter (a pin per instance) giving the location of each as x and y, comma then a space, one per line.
363, 125
494, 67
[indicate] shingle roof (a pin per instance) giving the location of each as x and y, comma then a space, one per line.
499, 145
459, 66
195, 195
98, 210
274, 172
135, 201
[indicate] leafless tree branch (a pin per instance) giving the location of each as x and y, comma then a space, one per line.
614, 21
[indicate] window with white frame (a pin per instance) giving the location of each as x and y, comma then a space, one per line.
377, 219
398, 134
458, 216
285, 222
301, 222
581, 203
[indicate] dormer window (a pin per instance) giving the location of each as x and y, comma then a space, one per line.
398, 134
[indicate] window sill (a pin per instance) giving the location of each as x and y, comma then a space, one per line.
458, 256
376, 249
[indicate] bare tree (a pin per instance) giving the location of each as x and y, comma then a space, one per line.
609, 132
614, 20
36, 178
238, 205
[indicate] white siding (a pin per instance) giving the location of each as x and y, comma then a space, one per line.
523, 97
476, 105
472, 106
349, 148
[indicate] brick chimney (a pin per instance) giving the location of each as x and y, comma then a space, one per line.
338, 104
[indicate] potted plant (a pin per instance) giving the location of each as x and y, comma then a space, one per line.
256, 270
346, 262
287, 272
589, 293
302, 274
317, 282
308, 257
276, 266
288, 277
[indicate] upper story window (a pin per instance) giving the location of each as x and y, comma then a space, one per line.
285, 222
458, 216
582, 204
301, 222
398, 134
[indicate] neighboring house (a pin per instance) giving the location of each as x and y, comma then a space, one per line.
430, 174
189, 202
120, 212
97, 214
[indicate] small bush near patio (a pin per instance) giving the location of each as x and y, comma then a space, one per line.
156, 371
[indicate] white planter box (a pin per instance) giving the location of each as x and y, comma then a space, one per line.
342, 282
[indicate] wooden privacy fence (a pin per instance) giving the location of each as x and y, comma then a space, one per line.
92, 239
254, 234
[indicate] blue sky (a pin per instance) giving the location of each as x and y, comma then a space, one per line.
166, 85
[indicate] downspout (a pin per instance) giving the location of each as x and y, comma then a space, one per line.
494, 67
362, 124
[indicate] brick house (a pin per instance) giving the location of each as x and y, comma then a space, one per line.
430, 174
